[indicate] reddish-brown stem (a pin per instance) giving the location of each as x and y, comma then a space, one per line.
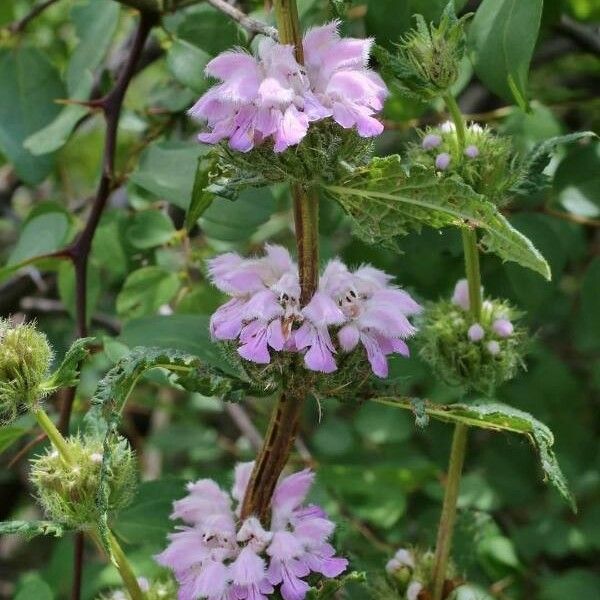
285, 418
273, 456
38, 9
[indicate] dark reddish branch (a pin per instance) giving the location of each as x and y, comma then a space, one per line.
78, 252
21, 24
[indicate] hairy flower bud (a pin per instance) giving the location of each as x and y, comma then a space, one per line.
428, 58
68, 490
485, 163
476, 356
25, 358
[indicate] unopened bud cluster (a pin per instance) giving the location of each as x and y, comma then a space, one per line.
484, 162
410, 572
68, 489
25, 359
428, 58
476, 355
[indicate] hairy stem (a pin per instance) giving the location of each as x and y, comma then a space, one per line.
457, 117
306, 219
124, 568
288, 26
285, 419
54, 435
273, 457
471, 252
459, 440
446, 526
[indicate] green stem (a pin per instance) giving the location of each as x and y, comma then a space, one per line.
471, 251
459, 122
54, 435
446, 526
459, 439
124, 568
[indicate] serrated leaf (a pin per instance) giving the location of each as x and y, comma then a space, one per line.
385, 201
113, 391
531, 177
499, 417
31, 529
67, 374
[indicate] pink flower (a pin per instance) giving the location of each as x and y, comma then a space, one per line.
341, 80
265, 301
476, 332
352, 308
271, 96
460, 297
375, 312
503, 327
220, 557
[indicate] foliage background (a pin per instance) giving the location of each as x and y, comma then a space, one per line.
378, 474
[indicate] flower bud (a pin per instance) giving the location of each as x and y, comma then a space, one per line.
442, 161
431, 141
25, 358
449, 343
68, 490
486, 163
428, 58
471, 151
476, 332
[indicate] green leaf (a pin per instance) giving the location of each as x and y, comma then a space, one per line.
502, 38
499, 417
146, 290
209, 29
67, 374
577, 181
34, 588
531, 177
146, 520
9, 435
385, 202
95, 24
31, 529
235, 221
30, 86
186, 62
47, 230
201, 197
186, 333
150, 228
167, 170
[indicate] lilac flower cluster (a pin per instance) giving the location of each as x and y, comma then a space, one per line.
431, 141
264, 312
501, 326
271, 96
217, 556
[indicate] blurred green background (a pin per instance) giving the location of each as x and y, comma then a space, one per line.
378, 474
